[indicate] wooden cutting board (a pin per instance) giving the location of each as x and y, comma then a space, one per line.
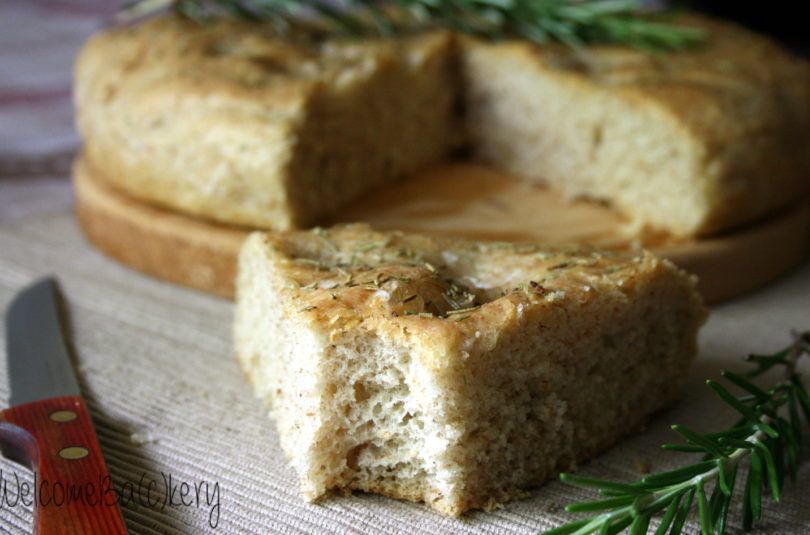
464, 199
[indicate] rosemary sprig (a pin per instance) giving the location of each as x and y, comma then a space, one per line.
575, 22
769, 440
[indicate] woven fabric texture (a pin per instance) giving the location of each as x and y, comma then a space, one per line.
169, 401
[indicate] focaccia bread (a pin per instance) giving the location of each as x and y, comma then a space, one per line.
454, 372
231, 122
693, 142
235, 123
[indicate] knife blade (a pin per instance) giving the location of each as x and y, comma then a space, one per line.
38, 362
48, 427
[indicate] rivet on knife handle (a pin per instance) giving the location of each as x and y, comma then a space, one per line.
74, 492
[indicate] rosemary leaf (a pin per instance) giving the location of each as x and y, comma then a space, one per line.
707, 444
567, 529
720, 526
640, 525
600, 505
777, 448
755, 490
601, 484
683, 448
574, 22
615, 526
737, 443
748, 514
746, 411
683, 512
746, 385
723, 479
770, 467
793, 443
716, 503
704, 512
669, 516
679, 475
762, 426
801, 394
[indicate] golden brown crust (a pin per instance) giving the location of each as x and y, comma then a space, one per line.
455, 372
447, 287
447, 291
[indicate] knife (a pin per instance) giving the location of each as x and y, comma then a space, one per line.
48, 428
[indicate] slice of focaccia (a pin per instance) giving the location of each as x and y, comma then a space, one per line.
454, 372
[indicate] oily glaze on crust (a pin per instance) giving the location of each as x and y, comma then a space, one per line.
357, 271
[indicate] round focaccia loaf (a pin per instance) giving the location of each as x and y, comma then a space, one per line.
234, 123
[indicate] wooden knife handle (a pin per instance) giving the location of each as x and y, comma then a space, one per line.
73, 493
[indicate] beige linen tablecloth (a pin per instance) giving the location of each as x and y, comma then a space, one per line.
172, 409
156, 365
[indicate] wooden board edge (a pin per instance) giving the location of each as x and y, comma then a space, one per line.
749, 258
203, 254
156, 241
